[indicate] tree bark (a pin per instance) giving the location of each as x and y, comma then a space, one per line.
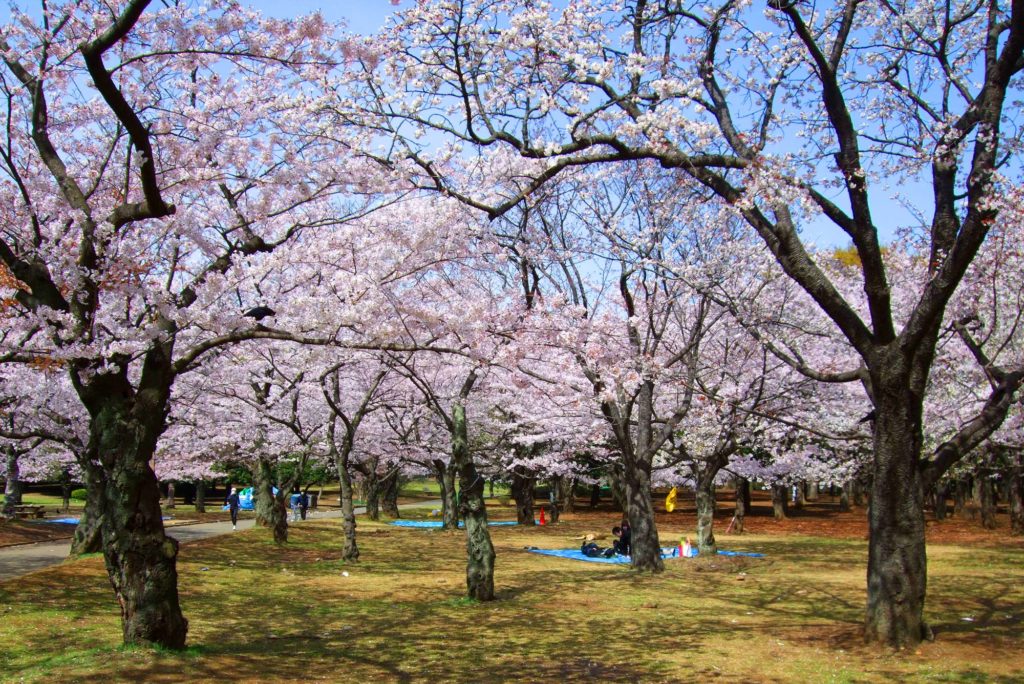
13, 487
522, 493
801, 495
595, 494
271, 509
812, 491
200, 496
986, 501
897, 563
473, 510
554, 499
569, 496
844, 498
389, 495
140, 558
779, 501
742, 499
350, 550
640, 513
371, 490
705, 494
941, 505
88, 535
169, 503
960, 507
1016, 493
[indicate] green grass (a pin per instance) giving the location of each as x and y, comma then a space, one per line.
259, 613
56, 502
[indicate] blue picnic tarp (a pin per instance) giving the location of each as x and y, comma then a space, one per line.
438, 523
667, 552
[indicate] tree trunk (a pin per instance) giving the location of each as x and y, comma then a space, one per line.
169, 503
65, 489
844, 498
812, 491
479, 549
350, 550
705, 492
450, 509
271, 509
569, 496
857, 493
200, 496
88, 535
595, 494
140, 558
554, 499
779, 501
897, 563
801, 495
742, 498
960, 492
13, 488
389, 495
640, 513
522, 493
941, 506
1016, 493
371, 492
986, 500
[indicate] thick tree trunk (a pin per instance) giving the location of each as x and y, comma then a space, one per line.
389, 495
271, 509
844, 498
522, 494
140, 558
779, 492
13, 488
200, 496
742, 503
857, 492
1016, 492
640, 513
88, 535
479, 549
169, 503
801, 495
897, 563
941, 505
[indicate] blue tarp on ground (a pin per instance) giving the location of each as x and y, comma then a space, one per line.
666, 552
438, 523
75, 521
245, 501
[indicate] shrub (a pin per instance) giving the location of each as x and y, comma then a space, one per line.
78, 494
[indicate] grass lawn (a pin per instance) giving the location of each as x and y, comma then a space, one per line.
259, 613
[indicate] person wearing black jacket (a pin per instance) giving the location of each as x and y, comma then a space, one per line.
233, 505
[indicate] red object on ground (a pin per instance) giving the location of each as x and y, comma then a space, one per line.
542, 517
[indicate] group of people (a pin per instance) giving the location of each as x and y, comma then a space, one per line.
621, 546
299, 503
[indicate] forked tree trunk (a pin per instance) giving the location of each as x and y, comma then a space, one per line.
88, 535
13, 488
473, 510
140, 558
897, 563
522, 493
779, 501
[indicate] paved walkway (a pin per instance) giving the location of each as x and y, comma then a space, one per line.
16, 561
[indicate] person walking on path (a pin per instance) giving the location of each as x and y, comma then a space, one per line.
233, 505
303, 504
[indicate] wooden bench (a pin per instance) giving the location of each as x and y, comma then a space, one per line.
29, 511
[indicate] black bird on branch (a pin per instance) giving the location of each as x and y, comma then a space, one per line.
259, 312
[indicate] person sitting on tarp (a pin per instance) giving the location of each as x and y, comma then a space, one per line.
590, 548
623, 543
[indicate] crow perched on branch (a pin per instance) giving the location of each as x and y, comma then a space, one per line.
259, 312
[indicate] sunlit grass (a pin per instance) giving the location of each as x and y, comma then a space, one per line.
260, 613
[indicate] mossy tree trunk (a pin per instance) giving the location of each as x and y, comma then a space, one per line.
271, 509
390, 486
479, 549
141, 560
445, 475
88, 535
200, 496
